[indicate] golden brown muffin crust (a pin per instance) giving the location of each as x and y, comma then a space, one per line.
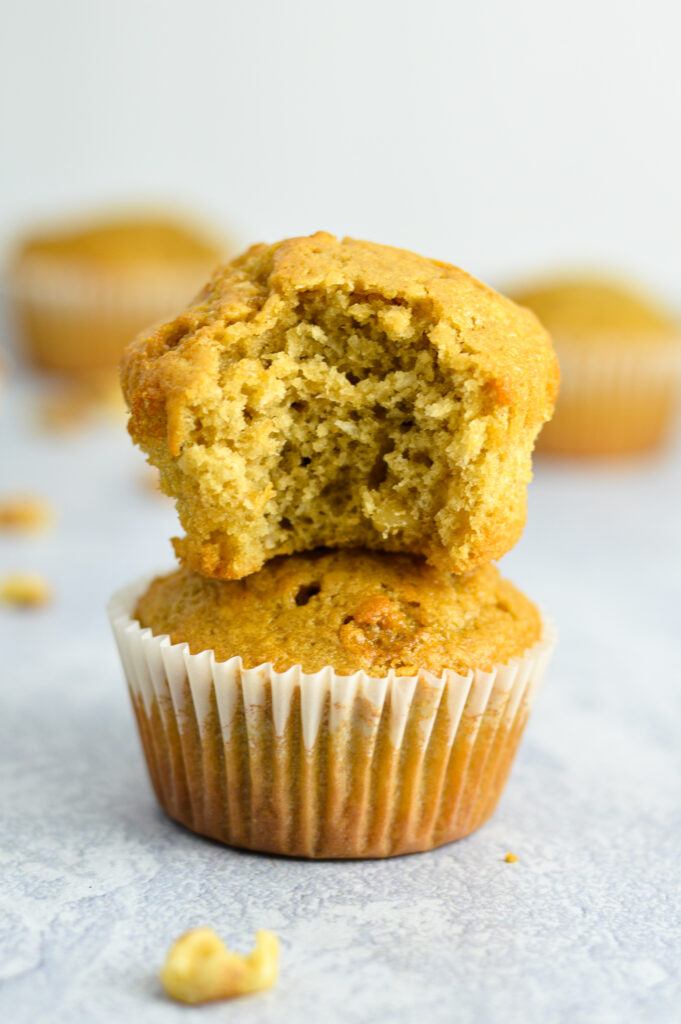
342, 393
350, 609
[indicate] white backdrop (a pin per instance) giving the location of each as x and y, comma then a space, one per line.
503, 137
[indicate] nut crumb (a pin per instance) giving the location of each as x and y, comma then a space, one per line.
24, 513
510, 858
67, 409
25, 589
199, 968
77, 404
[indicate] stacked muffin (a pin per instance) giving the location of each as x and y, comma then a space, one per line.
337, 670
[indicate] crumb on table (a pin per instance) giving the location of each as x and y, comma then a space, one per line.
66, 409
199, 968
73, 405
25, 589
510, 858
25, 512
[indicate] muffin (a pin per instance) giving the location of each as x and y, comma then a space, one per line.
620, 358
334, 704
342, 394
80, 293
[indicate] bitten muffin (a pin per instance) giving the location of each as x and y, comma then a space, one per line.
620, 357
81, 292
334, 704
341, 393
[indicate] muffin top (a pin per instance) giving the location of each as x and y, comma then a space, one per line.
342, 394
122, 243
350, 609
582, 307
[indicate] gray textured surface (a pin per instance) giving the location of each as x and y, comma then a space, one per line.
96, 883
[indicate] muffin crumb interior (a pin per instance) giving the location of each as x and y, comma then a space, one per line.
340, 436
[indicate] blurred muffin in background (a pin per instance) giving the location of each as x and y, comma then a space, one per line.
620, 359
81, 291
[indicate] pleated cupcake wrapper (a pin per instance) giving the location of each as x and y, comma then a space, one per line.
75, 321
616, 365
322, 765
614, 396
56, 288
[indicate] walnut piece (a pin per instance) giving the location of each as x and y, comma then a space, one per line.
199, 968
24, 512
77, 404
64, 410
25, 589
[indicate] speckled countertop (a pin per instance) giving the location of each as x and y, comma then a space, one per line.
96, 882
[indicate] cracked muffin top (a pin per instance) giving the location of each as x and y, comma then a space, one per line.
342, 394
349, 609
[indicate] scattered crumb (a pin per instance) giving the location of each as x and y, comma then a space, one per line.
510, 858
25, 513
67, 409
77, 404
199, 968
25, 589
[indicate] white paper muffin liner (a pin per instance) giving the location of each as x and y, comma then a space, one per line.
71, 319
322, 765
615, 397
57, 286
